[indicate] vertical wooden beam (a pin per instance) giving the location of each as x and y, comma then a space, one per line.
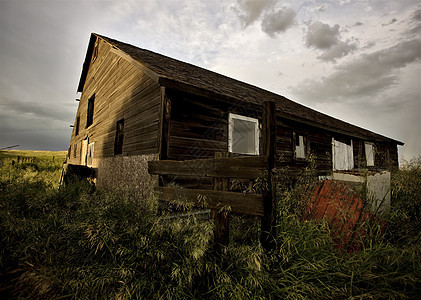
268, 229
164, 130
221, 218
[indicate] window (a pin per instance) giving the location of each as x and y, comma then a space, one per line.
90, 114
90, 154
84, 152
119, 137
69, 151
75, 151
77, 126
300, 146
243, 134
343, 155
369, 154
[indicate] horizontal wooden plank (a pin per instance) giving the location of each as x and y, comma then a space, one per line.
247, 204
238, 167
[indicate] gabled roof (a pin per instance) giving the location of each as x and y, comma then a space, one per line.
174, 73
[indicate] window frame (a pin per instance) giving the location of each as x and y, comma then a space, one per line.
119, 137
231, 118
77, 125
349, 155
296, 134
372, 154
90, 111
90, 154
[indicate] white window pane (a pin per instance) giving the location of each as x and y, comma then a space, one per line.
244, 136
369, 155
343, 156
300, 148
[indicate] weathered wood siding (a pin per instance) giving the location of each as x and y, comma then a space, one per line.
319, 144
121, 91
199, 126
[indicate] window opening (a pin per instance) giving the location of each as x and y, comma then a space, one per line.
369, 154
343, 155
90, 155
84, 152
243, 136
119, 137
77, 126
300, 146
90, 114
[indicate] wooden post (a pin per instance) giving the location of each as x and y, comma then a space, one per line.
221, 218
268, 229
164, 130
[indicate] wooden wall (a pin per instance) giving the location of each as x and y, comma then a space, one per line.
121, 91
199, 128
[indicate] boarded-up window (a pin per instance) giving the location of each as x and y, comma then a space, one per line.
369, 154
243, 135
84, 152
90, 114
119, 137
77, 126
90, 154
343, 155
300, 146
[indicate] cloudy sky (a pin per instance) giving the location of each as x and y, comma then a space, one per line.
357, 60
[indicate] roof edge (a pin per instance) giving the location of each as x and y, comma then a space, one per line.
87, 62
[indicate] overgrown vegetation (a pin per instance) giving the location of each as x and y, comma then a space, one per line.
82, 243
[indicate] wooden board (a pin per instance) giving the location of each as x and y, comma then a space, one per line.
249, 204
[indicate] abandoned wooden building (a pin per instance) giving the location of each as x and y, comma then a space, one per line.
137, 106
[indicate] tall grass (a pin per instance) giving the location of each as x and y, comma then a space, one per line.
79, 242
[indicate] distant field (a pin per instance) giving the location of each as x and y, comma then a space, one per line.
29, 153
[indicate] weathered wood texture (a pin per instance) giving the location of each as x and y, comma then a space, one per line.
268, 222
233, 167
249, 204
121, 91
221, 218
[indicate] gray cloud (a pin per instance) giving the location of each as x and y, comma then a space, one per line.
325, 37
365, 76
394, 20
414, 23
40, 109
251, 9
322, 36
340, 49
279, 21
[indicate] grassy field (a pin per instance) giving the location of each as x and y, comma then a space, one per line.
80, 242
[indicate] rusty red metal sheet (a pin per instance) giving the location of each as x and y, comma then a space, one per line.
345, 212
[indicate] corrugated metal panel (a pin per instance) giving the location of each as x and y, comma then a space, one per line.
344, 210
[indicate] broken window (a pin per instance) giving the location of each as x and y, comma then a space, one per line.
119, 137
299, 146
90, 114
343, 155
77, 126
369, 154
90, 154
243, 135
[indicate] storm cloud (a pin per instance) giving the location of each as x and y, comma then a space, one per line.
278, 21
367, 75
325, 37
251, 9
